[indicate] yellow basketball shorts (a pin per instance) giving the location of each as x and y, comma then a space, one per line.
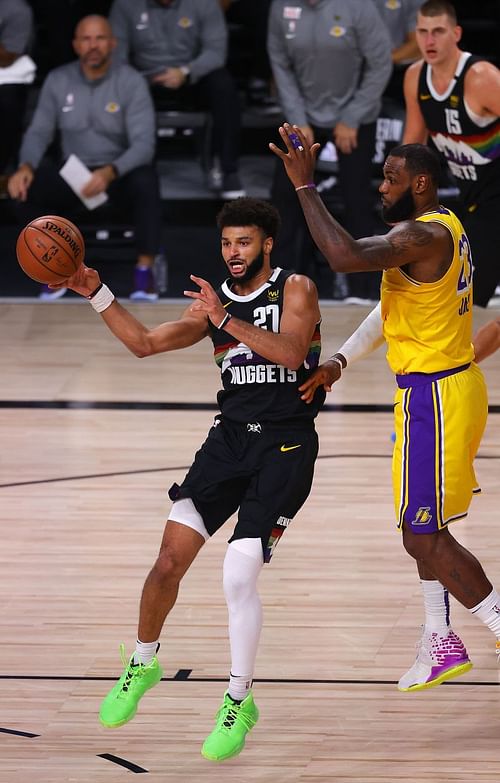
439, 421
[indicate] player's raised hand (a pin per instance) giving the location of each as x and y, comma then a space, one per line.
206, 300
325, 375
299, 159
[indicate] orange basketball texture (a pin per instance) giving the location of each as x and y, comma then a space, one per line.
50, 249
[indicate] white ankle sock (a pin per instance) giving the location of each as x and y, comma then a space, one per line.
239, 687
145, 651
437, 606
489, 612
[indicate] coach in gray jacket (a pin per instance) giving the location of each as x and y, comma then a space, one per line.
331, 60
105, 117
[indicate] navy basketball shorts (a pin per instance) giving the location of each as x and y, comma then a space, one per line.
264, 470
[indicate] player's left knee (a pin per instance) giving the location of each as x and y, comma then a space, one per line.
420, 547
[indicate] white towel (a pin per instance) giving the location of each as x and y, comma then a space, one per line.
22, 71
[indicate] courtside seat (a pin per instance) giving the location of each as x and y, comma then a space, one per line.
181, 126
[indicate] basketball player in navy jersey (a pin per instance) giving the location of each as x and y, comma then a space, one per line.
258, 457
453, 97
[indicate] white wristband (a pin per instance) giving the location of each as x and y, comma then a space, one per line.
102, 299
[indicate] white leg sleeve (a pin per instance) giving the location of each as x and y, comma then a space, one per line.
242, 566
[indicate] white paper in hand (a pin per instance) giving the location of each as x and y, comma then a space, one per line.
76, 174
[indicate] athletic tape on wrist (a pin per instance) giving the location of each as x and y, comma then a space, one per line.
102, 299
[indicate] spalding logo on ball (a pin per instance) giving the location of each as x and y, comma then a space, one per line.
50, 249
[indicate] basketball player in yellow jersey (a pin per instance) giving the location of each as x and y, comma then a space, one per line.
440, 403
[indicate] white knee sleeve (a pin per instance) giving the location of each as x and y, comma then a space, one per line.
242, 566
184, 511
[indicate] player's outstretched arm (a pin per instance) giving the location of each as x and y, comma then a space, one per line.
139, 339
407, 243
487, 340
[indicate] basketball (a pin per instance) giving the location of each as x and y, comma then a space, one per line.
50, 249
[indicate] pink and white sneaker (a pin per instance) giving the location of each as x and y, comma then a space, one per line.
439, 658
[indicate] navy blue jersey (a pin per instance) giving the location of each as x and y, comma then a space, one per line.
470, 144
254, 388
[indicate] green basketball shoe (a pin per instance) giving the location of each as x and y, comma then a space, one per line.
120, 705
233, 722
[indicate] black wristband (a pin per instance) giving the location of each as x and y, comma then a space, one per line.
91, 296
340, 358
224, 321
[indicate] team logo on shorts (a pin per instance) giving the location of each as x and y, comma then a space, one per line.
423, 516
112, 107
276, 533
185, 22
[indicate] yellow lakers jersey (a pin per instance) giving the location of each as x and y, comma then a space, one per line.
428, 326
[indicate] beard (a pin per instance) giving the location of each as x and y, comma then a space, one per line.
253, 269
402, 209
96, 64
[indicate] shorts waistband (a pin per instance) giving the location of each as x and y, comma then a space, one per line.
262, 426
421, 378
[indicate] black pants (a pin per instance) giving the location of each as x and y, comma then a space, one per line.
12, 106
294, 246
215, 92
136, 194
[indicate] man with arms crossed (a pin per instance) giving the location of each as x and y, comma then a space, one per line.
441, 403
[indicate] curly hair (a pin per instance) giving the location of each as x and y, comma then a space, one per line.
249, 211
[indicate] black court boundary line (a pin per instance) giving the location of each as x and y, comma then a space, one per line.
122, 762
139, 471
268, 680
182, 406
18, 733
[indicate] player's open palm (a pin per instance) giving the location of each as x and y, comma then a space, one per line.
325, 375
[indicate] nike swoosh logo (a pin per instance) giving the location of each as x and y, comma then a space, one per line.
290, 448
68, 108
425, 97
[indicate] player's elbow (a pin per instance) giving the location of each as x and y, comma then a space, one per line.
294, 360
143, 349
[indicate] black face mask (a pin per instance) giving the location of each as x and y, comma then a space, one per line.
252, 270
402, 209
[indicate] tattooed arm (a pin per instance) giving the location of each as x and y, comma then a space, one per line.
426, 249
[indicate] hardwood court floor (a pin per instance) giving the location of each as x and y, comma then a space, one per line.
83, 502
